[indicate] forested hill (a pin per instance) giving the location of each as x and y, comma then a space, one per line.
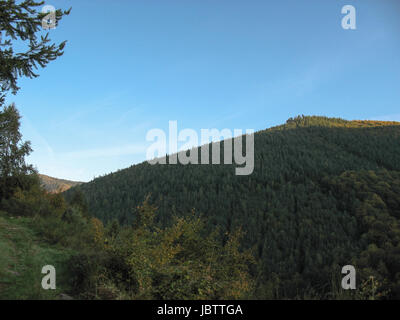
324, 193
54, 185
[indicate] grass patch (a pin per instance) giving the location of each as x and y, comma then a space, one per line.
22, 257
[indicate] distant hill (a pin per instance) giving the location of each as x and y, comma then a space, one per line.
324, 193
54, 185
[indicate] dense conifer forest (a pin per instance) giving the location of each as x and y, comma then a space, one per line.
324, 193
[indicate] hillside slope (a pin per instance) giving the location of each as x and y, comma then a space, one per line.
23, 254
324, 193
54, 185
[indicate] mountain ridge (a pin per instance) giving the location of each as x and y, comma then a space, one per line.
322, 191
55, 185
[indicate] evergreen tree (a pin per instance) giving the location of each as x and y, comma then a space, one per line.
22, 22
12, 152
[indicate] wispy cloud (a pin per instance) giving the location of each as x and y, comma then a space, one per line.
135, 149
87, 109
39, 142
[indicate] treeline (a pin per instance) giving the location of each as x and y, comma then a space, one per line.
140, 261
300, 210
144, 260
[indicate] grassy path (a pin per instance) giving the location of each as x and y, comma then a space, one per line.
22, 257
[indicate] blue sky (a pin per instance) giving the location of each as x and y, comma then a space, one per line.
131, 66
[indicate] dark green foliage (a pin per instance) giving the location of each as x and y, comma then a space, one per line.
177, 262
374, 198
86, 268
14, 172
303, 227
22, 21
78, 201
20, 24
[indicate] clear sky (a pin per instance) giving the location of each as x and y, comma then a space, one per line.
131, 66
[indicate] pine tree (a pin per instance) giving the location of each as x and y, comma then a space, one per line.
22, 23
